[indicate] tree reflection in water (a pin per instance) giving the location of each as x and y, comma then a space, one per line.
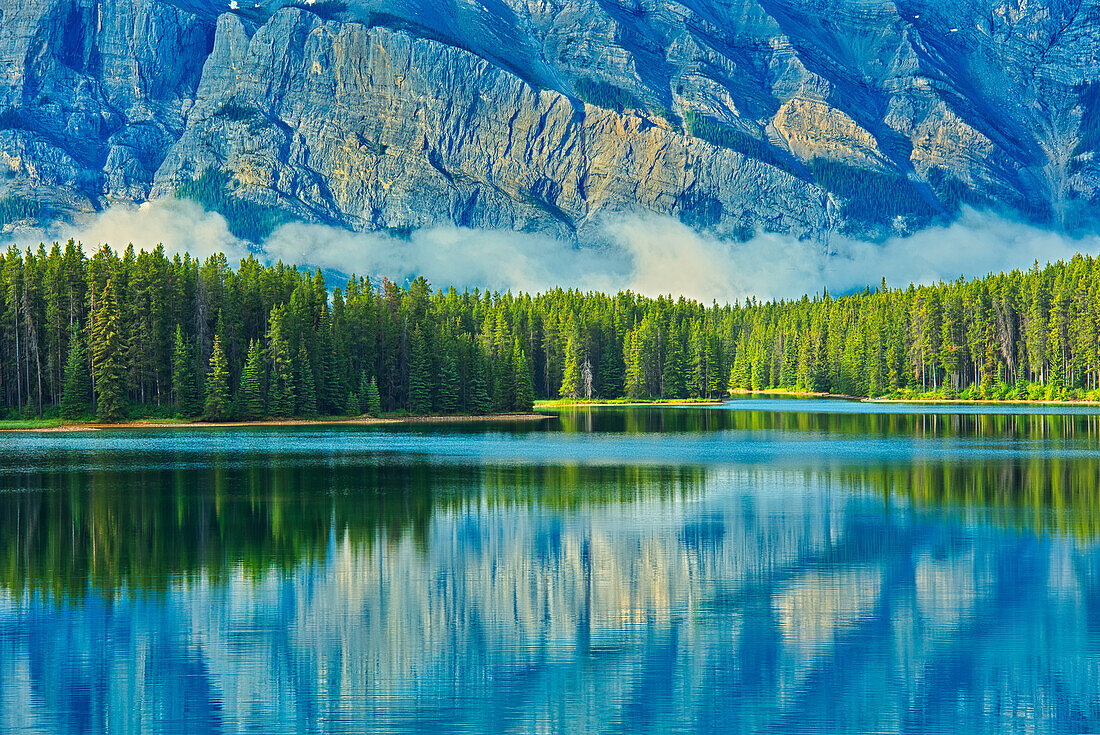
937, 574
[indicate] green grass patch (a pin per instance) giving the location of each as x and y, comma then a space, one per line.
545, 403
9, 424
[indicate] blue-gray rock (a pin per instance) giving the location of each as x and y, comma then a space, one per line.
798, 116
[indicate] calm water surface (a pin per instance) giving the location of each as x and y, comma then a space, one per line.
764, 566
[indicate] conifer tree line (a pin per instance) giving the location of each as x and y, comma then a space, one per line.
144, 334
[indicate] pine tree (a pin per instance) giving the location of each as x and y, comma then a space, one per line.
571, 380
524, 397
761, 367
334, 387
353, 407
479, 402
741, 372
610, 379
718, 382
108, 367
332, 390
449, 393
374, 399
420, 377
701, 367
77, 393
183, 378
280, 398
673, 378
305, 392
252, 384
504, 394
216, 407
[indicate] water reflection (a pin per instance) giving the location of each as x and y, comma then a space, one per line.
65, 531
1008, 422
383, 587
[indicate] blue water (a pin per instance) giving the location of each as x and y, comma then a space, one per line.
762, 566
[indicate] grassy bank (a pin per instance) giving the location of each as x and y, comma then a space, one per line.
565, 402
903, 398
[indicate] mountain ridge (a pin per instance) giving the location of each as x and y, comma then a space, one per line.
866, 117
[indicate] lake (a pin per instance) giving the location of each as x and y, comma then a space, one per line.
759, 566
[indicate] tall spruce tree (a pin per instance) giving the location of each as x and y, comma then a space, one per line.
673, 380
479, 400
420, 376
524, 396
77, 394
571, 380
216, 407
372, 403
741, 372
280, 397
305, 394
449, 389
364, 382
108, 358
332, 390
374, 399
183, 378
251, 393
610, 380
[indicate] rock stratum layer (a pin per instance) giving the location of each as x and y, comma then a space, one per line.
806, 117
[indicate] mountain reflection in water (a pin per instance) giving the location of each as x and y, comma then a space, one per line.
805, 571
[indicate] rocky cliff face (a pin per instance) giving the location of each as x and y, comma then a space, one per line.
799, 116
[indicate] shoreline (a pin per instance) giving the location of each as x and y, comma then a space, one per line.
808, 394
357, 421
77, 426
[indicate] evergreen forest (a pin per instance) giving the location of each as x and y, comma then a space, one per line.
125, 334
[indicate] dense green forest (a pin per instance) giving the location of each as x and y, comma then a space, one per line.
124, 334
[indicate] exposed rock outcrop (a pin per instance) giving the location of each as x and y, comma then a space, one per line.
784, 115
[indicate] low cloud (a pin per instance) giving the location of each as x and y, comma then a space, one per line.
181, 225
647, 253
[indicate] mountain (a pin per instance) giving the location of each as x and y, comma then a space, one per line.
808, 117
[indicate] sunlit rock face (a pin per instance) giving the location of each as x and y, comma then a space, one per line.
793, 116
92, 95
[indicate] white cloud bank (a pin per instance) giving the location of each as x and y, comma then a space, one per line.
648, 253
